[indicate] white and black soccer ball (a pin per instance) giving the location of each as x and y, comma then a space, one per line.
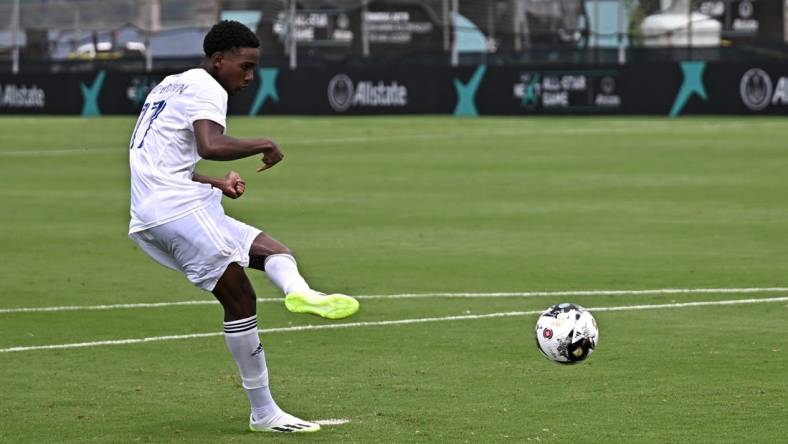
566, 333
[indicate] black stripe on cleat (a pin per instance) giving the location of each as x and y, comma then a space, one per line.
281, 429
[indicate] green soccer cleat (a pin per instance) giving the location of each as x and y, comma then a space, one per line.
329, 306
284, 423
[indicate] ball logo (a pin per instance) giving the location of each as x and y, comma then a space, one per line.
608, 85
547, 333
756, 89
343, 22
340, 92
745, 9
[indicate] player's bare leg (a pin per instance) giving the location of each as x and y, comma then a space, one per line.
276, 260
263, 247
235, 293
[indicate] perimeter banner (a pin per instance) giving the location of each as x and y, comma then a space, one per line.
674, 89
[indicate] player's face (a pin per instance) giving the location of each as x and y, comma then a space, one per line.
236, 68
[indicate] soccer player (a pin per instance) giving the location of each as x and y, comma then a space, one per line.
177, 217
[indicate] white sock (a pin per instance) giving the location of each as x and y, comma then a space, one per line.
244, 344
283, 272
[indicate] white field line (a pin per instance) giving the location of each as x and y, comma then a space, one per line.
525, 294
388, 323
332, 421
108, 307
526, 131
531, 294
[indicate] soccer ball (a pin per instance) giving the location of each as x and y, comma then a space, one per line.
566, 333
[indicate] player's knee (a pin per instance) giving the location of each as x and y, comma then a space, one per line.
242, 306
257, 259
283, 250
236, 294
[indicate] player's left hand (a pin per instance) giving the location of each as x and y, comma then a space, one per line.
233, 186
271, 155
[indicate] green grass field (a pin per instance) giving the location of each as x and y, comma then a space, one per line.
414, 205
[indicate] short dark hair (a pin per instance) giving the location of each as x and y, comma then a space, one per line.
228, 34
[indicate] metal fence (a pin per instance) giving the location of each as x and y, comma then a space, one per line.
53, 35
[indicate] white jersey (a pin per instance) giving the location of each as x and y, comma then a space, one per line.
163, 149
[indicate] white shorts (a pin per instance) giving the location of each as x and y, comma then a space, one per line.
200, 245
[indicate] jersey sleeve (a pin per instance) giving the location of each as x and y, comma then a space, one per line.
209, 103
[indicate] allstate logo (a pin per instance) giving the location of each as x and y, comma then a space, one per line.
745, 9
340, 92
608, 85
756, 89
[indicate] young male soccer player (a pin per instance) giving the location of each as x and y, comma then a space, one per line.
177, 217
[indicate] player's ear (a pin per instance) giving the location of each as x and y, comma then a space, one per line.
217, 59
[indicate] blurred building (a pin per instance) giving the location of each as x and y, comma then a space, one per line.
127, 34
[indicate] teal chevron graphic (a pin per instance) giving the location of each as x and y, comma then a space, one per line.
530, 94
267, 89
693, 84
466, 94
90, 96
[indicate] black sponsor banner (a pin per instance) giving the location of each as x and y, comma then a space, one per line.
40, 94
642, 88
390, 27
399, 26
566, 90
705, 88
441, 90
744, 88
352, 92
87, 94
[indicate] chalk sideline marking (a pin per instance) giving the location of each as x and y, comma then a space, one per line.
331, 422
384, 323
525, 294
627, 128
